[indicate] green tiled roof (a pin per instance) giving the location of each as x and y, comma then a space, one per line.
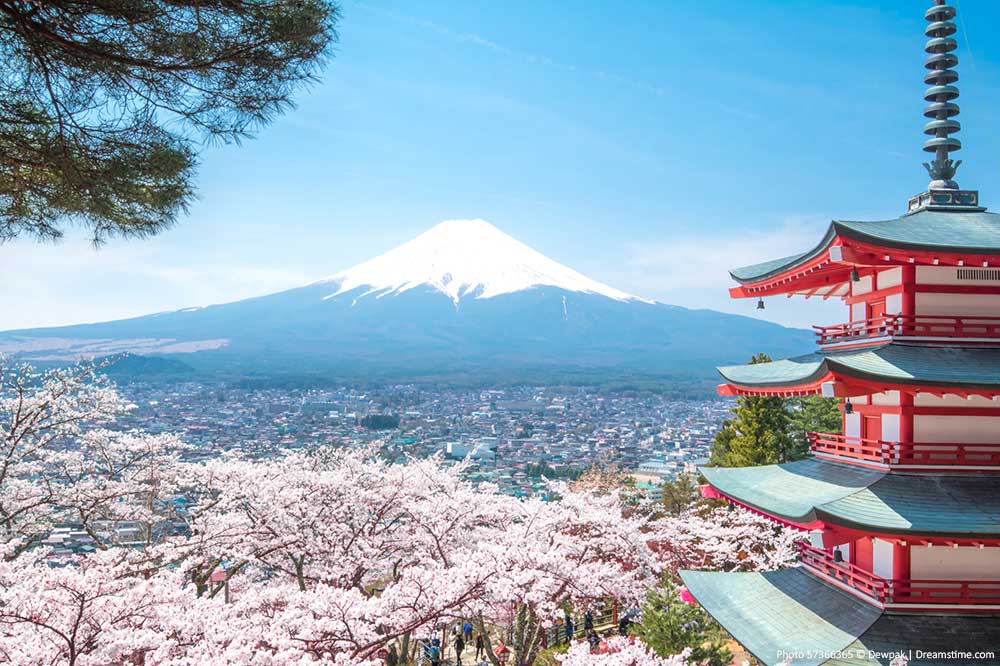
971, 232
953, 505
782, 611
785, 372
931, 634
755, 272
793, 611
971, 367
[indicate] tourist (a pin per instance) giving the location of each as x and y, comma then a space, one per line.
434, 653
593, 639
568, 628
588, 621
459, 646
480, 647
467, 630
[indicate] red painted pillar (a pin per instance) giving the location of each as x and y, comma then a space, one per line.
909, 306
900, 561
905, 417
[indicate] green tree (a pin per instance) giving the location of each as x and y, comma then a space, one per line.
380, 421
812, 413
669, 625
758, 433
104, 103
680, 493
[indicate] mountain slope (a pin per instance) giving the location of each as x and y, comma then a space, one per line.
461, 298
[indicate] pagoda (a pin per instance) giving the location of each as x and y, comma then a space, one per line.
901, 512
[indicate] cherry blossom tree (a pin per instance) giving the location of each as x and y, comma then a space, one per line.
39, 412
724, 539
619, 651
328, 556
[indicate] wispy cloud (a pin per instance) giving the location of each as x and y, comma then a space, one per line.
704, 260
525, 56
55, 285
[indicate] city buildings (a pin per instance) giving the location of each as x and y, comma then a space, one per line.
903, 509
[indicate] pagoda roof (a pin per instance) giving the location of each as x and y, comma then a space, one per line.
811, 490
792, 612
940, 231
935, 233
893, 363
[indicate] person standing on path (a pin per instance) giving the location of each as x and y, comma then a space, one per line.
467, 630
480, 647
459, 646
435, 652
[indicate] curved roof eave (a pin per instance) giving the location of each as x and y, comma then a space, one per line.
764, 270
893, 363
976, 233
854, 497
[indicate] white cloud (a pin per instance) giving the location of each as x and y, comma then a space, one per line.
705, 260
71, 283
693, 271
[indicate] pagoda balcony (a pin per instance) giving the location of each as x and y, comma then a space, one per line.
901, 594
934, 455
925, 328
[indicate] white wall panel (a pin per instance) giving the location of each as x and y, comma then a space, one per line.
962, 563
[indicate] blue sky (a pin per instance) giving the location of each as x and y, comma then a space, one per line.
649, 145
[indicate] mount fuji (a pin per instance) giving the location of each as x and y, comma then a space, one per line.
463, 299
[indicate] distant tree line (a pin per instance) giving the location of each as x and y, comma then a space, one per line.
540, 469
380, 421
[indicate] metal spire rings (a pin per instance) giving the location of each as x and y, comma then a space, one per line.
941, 94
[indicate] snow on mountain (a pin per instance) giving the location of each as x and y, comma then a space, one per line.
465, 258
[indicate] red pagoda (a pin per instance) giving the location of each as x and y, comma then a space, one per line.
902, 509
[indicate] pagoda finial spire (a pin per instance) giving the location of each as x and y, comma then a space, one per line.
941, 108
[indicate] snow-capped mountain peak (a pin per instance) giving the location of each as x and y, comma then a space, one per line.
464, 258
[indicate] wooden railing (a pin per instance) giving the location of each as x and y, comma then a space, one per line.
901, 591
930, 326
964, 592
872, 450
845, 572
921, 453
605, 618
906, 453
